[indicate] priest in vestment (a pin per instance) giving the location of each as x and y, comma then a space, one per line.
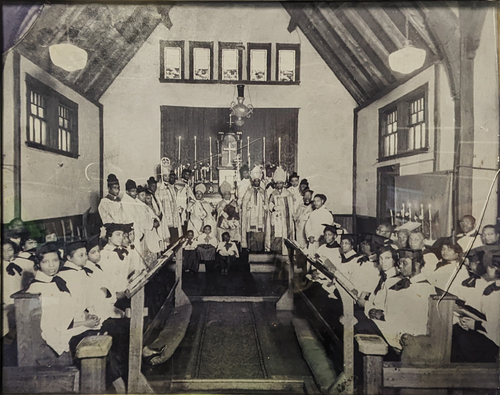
166, 196
280, 217
200, 212
254, 214
228, 214
244, 184
184, 195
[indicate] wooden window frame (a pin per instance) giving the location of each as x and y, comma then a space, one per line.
402, 106
53, 99
171, 44
288, 47
229, 45
201, 44
252, 46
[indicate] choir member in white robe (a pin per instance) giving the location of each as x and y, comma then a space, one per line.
490, 301
301, 216
228, 214
153, 202
190, 258
469, 237
201, 212
184, 195
329, 254
295, 190
130, 206
244, 184
61, 317
167, 198
416, 242
472, 288
149, 223
254, 214
25, 258
376, 305
441, 276
227, 253
110, 208
490, 235
281, 205
12, 276
407, 301
115, 261
316, 223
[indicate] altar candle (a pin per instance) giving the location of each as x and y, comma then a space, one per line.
409, 210
248, 150
403, 211
392, 217
210, 150
195, 150
179, 157
279, 151
264, 150
430, 222
422, 211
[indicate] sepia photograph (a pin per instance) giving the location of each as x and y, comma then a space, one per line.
251, 197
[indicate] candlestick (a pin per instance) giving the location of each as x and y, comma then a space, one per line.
422, 211
409, 210
430, 222
279, 151
403, 213
248, 150
179, 156
210, 143
264, 151
392, 217
195, 150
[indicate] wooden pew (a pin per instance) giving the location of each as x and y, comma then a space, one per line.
425, 366
40, 369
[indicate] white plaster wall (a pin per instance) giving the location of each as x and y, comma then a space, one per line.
132, 103
53, 185
8, 140
486, 119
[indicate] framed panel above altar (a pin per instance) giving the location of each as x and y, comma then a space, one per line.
197, 138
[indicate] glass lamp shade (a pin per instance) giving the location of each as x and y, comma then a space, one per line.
407, 59
68, 56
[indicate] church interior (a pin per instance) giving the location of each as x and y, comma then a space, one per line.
251, 197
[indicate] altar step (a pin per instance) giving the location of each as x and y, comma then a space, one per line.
262, 263
235, 386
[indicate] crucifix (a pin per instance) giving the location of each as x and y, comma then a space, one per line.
229, 150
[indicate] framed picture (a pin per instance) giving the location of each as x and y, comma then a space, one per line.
171, 60
230, 62
201, 60
259, 62
288, 62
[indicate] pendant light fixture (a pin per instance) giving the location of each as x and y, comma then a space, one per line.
240, 110
408, 58
68, 56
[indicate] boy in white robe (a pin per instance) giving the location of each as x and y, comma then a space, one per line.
110, 208
315, 224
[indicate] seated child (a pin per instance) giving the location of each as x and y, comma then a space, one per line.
227, 253
12, 282
190, 261
206, 245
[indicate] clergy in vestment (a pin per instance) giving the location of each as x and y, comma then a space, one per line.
184, 195
301, 216
150, 223
315, 225
254, 214
280, 217
295, 190
110, 208
167, 198
244, 184
228, 214
200, 211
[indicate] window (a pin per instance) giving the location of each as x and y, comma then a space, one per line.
288, 62
171, 60
52, 120
201, 60
403, 126
230, 62
259, 62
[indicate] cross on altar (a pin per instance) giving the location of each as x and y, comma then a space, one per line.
231, 150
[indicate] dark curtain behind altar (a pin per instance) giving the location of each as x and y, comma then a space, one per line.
188, 122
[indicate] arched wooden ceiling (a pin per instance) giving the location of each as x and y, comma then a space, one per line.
354, 39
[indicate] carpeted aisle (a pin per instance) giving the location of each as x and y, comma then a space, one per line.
230, 348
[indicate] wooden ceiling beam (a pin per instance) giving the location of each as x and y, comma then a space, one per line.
348, 61
330, 58
351, 43
416, 19
387, 24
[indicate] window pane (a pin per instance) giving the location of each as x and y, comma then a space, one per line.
258, 65
173, 63
418, 137
201, 68
286, 61
230, 64
44, 132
